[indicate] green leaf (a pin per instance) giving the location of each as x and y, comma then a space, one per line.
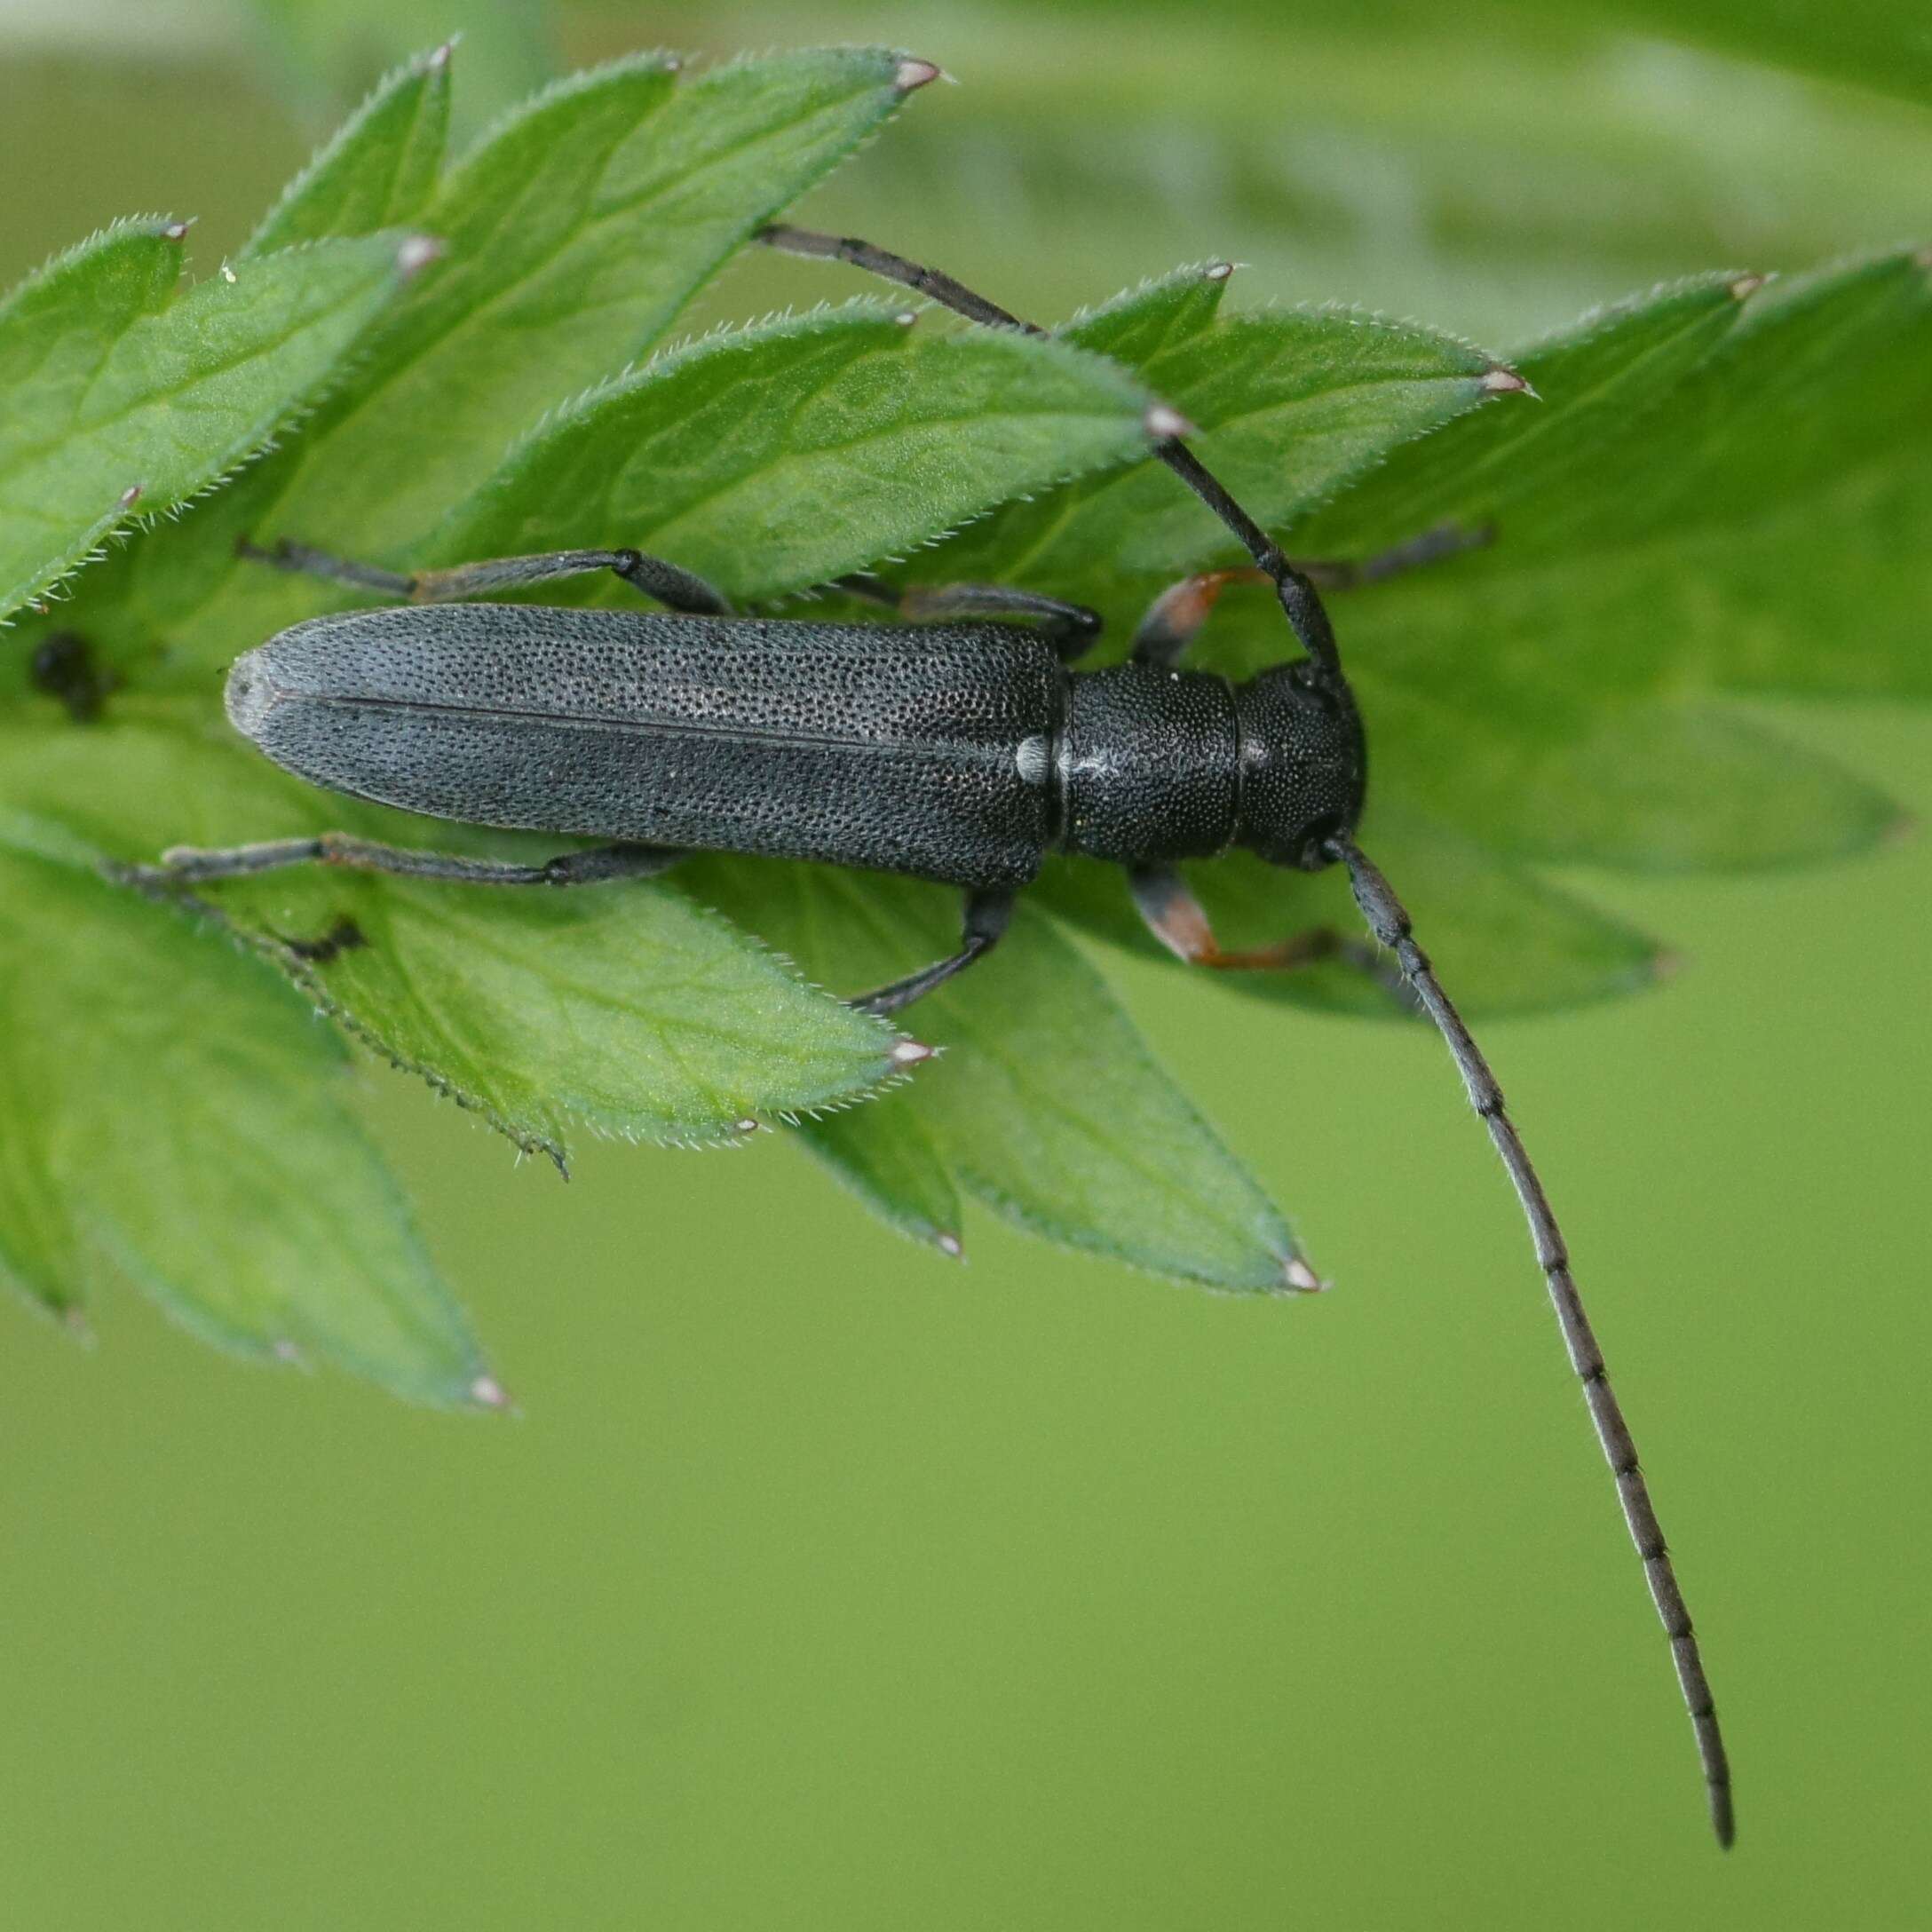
380, 168
1673, 785
1659, 553
573, 235
171, 1121
785, 456
1786, 457
1292, 404
1595, 381
1680, 527
121, 405
625, 1011
629, 1013
888, 1157
1046, 1104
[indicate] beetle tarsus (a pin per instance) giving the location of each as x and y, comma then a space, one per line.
987, 914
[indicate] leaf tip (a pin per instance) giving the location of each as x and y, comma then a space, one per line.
288, 1353
1165, 423
486, 1392
128, 497
73, 1320
1218, 271
746, 1125
910, 1052
949, 1244
912, 74
1742, 287
1499, 380
178, 231
1301, 1279
439, 58
415, 254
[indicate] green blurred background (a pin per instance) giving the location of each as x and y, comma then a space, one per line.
824, 1584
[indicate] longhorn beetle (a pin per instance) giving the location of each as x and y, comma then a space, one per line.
964, 752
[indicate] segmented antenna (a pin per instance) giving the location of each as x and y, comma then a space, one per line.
1299, 599
1389, 921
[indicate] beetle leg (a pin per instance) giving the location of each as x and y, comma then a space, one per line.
986, 916
677, 589
1349, 574
191, 865
1176, 918
303, 560
1176, 615
1071, 628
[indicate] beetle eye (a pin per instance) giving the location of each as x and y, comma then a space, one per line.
1315, 855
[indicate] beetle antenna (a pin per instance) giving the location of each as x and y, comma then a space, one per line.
1389, 921
1299, 601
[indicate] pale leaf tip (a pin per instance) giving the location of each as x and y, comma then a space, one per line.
1164, 423
178, 231
1502, 381
415, 254
1746, 285
906, 318
910, 1052
128, 497
487, 1393
913, 74
73, 1320
1301, 1279
285, 1351
949, 1244
439, 60
1218, 271
746, 1124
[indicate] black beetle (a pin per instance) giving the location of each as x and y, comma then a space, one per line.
962, 752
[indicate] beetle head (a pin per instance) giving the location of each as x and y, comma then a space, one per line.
1304, 764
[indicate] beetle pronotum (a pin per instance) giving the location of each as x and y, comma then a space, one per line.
964, 752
